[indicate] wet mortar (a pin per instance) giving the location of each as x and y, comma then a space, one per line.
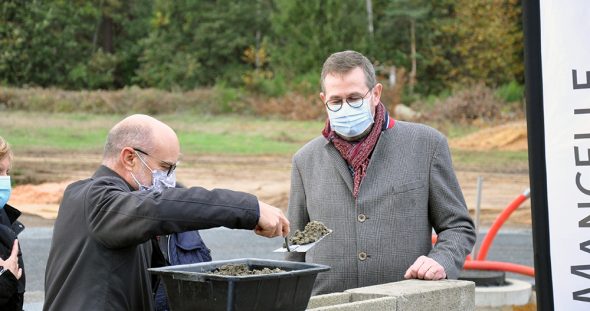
313, 231
242, 270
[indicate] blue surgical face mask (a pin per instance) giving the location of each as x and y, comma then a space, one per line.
349, 121
160, 179
5, 190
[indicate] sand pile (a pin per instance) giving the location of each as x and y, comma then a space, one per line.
42, 200
509, 137
47, 193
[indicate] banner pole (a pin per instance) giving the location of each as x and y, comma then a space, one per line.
536, 150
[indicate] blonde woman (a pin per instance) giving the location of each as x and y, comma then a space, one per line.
12, 277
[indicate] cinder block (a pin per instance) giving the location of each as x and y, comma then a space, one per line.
329, 300
376, 304
425, 295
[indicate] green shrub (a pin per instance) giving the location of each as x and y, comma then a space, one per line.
227, 99
308, 83
127, 100
263, 82
477, 103
511, 92
274, 87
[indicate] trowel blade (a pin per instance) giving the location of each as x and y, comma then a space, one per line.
300, 248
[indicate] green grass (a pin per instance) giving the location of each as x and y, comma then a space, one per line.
34, 132
31, 132
234, 143
60, 138
495, 160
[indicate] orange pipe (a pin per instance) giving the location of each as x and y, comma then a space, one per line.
499, 266
500, 220
481, 263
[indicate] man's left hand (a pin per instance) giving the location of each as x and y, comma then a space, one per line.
425, 268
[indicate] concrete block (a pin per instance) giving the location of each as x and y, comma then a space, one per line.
425, 295
329, 300
376, 304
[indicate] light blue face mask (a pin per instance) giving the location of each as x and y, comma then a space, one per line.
349, 121
160, 179
5, 190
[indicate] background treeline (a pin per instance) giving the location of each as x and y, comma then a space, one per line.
263, 47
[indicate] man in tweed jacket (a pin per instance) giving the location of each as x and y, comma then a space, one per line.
380, 185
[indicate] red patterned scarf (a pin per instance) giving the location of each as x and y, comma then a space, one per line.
357, 154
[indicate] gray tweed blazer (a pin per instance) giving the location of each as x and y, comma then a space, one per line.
410, 188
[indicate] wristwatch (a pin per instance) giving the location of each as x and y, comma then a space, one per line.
2, 270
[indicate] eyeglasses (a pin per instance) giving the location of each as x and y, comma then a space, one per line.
170, 166
354, 101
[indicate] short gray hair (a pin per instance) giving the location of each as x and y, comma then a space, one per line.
127, 135
345, 61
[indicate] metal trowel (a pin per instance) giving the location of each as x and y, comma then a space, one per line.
299, 248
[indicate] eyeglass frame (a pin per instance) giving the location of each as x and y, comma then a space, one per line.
171, 166
348, 102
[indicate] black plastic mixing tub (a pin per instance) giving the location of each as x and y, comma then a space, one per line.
191, 287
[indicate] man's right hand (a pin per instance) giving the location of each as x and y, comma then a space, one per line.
11, 263
272, 221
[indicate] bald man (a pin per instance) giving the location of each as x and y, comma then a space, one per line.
103, 238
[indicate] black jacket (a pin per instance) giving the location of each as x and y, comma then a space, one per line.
11, 289
102, 243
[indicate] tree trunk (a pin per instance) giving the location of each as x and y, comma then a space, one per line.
370, 17
258, 35
413, 56
107, 34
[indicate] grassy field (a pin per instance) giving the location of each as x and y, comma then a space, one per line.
35, 133
491, 161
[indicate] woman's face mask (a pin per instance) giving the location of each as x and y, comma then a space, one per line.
5, 190
160, 179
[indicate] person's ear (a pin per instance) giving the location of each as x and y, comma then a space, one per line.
127, 157
322, 97
377, 94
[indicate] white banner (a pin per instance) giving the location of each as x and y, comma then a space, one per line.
565, 54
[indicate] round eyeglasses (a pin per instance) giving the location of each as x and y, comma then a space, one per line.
354, 101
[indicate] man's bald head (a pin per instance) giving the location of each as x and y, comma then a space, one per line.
139, 131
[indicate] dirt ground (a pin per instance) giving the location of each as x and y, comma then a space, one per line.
44, 178
510, 136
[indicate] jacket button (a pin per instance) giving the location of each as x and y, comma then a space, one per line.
361, 217
362, 256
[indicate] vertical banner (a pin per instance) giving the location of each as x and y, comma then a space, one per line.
557, 60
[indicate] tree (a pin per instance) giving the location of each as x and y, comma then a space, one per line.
44, 40
411, 12
197, 43
305, 34
489, 47
185, 44
73, 44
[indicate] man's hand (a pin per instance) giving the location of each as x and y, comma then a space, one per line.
11, 263
426, 268
272, 221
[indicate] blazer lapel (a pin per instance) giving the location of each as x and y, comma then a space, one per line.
340, 165
379, 156
381, 161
